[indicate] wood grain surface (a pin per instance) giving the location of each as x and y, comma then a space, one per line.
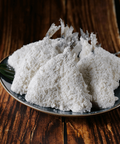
26, 21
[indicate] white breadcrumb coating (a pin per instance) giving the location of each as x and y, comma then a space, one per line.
67, 73
98, 77
35, 57
16, 58
112, 60
59, 84
31, 57
101, 71
53, 29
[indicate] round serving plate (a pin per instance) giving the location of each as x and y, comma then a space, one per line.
21, 98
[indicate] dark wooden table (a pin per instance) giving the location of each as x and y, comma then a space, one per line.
26, 21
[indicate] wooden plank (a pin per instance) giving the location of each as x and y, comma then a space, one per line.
23, 22
57, 10
21, 124
102, 128
96, 16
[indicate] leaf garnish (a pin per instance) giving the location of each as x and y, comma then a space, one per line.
7, 71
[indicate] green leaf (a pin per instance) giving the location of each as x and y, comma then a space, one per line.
7, 71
